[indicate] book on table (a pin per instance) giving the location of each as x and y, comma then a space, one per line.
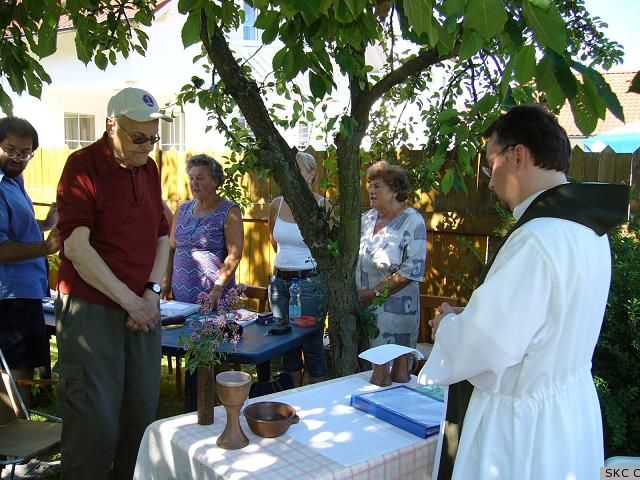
406, 408
169, 308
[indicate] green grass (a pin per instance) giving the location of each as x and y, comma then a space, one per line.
170, 404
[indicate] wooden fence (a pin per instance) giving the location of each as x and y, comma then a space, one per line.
460, 227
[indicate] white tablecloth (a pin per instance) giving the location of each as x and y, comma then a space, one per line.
332, 441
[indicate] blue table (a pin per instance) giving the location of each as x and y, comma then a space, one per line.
254, 348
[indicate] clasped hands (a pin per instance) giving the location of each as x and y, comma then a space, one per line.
441, 311
144, 313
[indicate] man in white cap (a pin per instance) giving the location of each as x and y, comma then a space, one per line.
115, 250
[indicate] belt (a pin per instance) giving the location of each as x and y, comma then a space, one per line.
291, 274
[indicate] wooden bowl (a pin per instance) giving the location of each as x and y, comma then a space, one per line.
270, 419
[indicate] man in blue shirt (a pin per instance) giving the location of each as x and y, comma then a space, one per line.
23, 271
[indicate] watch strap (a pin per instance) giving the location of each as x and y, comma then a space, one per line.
153, 286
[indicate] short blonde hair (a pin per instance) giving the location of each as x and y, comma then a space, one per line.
308, 161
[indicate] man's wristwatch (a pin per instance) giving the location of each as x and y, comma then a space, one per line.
153, 286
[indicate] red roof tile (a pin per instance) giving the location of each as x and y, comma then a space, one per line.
619, 83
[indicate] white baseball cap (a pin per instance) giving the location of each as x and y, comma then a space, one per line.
136, 104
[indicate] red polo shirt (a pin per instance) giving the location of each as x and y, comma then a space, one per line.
122, 208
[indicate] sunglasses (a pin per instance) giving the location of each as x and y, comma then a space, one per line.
139, 138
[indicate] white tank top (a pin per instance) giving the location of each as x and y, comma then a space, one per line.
292, 253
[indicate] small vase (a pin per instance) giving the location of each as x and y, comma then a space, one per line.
380, 375
233, 389
206, 395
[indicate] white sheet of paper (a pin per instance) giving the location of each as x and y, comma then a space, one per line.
385, 353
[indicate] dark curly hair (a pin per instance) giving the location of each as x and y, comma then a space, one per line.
393, 175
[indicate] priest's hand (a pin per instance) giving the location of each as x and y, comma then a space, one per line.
442, 310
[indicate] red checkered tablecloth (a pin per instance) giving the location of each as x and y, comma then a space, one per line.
178, 448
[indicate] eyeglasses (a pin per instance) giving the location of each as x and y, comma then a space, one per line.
488, 171
13, 153
139, 138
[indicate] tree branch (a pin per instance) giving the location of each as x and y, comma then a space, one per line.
425, 59
245, 92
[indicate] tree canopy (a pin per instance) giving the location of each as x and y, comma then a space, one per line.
455, 63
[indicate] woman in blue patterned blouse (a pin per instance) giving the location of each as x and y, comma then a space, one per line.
206, 238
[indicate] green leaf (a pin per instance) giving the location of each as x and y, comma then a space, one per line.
268, 21
446, 40
420, 15
101, 60
447, 115
546, 82
343, 13
544, 4
548, 26
347, 126
191, 29
34, 85
278, 58
471, 43
5, 103
447, 182
228, 10
524, 64
486, 104
604, 90
47, 37
584, 111
316, 84
487, 17
186, 6
352, 35
512, 38
454, 8
591, 91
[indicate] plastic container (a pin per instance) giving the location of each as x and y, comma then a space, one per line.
295, 302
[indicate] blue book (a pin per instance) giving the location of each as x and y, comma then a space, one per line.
404, 407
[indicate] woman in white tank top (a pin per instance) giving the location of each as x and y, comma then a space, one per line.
294, 260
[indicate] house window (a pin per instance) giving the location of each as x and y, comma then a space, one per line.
79, 130
303, 136
172, 133
249, 32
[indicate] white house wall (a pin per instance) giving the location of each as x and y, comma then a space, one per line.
77, 88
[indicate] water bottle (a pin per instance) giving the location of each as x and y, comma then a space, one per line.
295, 303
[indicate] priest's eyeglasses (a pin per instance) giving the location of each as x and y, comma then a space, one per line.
486, 169
139, 138
13, 153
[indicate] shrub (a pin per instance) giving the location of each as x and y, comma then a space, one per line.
616, 362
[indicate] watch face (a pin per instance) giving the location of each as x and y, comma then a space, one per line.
154, 287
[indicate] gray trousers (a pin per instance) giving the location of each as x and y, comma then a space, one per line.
108, 390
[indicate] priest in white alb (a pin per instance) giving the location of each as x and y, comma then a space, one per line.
521, 401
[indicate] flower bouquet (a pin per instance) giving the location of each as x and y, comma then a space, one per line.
202, 346
212, 329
